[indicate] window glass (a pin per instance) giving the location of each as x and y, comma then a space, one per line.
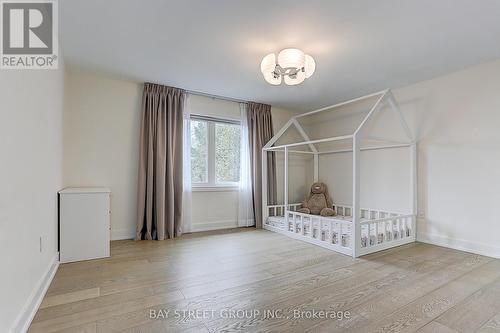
227, 153
199, 151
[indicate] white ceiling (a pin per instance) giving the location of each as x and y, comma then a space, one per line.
216, 46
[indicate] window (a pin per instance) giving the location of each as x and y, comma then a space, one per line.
215, 152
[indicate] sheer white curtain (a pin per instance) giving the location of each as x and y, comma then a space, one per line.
186, 168
245, 204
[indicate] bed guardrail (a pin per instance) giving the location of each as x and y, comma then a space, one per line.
330, 232
385, 231
379, 229
279, 210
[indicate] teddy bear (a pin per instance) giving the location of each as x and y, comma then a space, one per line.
318, 202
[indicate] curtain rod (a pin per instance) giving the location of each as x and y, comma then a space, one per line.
199, 93
229, 99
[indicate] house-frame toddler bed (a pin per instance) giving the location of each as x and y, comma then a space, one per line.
355, 230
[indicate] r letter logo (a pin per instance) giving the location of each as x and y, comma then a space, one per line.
29, 34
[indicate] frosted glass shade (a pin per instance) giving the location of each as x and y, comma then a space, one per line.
267, 67
291, 58
268, 63
309, 66
301, 76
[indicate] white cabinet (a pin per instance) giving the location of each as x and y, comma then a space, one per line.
84, 223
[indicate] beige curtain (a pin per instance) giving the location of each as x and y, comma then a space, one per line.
160, 164
260, 131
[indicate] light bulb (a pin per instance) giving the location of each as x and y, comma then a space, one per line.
309, 66
294, 58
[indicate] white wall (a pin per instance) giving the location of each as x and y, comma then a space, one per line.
31, 104
101, 142
457, 119
384, 178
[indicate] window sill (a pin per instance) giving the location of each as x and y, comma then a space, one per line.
220, 188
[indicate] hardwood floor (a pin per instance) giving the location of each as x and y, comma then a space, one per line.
235, 281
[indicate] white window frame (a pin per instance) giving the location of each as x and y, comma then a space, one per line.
211, 184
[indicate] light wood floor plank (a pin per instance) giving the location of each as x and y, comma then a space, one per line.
435, 327
85, 328
492, 325
475, 311
69, 297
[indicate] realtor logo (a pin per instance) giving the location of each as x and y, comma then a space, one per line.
29, 34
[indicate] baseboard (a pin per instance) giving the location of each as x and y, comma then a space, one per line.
123, 233
460, 244
30, 308
119, 234
207, 226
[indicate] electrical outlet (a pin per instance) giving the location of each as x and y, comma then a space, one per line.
40, 244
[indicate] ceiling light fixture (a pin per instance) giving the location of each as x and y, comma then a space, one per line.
292, 66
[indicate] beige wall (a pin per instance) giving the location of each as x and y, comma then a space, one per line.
101, 138
31, 105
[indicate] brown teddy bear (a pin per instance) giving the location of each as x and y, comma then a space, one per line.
318, 202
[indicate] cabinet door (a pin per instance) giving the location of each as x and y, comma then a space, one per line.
85, 226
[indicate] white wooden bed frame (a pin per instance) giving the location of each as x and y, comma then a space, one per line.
354, 231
